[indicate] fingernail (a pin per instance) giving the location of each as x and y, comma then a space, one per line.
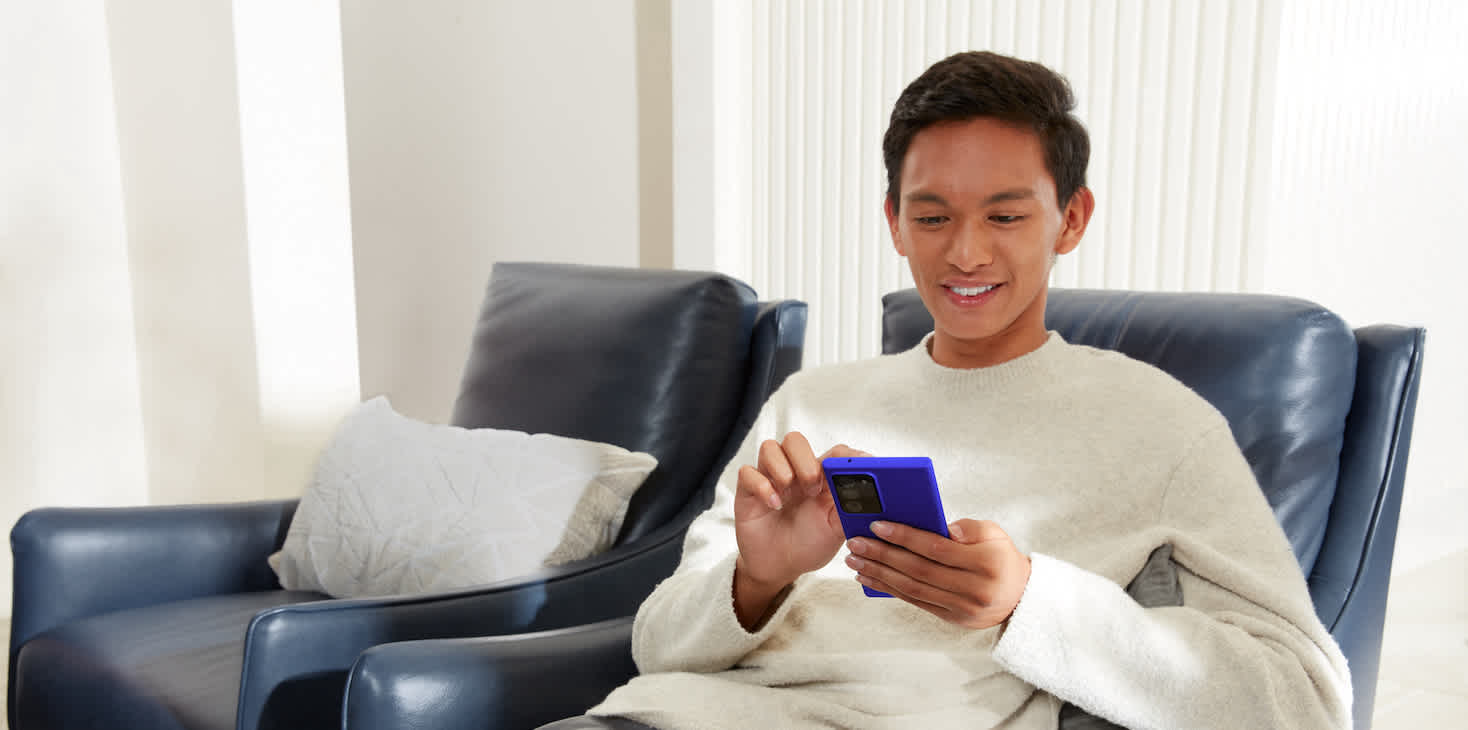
774, 500
954, 532
855, 562
882, 528
856, 546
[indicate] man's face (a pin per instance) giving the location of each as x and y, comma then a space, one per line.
979, 224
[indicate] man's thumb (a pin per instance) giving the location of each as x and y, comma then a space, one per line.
967, 531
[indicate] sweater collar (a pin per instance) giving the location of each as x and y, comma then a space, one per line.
1042, 363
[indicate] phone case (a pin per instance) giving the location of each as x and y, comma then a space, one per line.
906, 487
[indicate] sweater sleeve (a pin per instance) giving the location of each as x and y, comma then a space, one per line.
1244, 650
688, 624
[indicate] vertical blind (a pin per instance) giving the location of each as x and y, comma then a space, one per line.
1173, 93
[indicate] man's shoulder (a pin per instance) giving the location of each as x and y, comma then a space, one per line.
869, 381
1137, 386
844, 374
1100, 363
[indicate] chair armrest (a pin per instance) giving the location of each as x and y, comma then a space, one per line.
74, 563
519, 681
1351, 577
290, 646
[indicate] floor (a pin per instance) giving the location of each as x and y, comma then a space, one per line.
1424, 657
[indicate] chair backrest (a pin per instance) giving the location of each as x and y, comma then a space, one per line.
1322, 413
659, 361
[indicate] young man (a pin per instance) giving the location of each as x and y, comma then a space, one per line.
1068, 466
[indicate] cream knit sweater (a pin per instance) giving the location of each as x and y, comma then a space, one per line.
1089, 460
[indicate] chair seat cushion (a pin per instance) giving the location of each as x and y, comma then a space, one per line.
174, 665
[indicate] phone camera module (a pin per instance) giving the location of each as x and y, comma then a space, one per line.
858, 493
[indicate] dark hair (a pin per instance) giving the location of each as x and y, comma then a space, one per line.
976, 84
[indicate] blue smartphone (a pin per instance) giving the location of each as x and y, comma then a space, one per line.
899, 489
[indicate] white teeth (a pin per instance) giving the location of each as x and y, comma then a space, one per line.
970, 291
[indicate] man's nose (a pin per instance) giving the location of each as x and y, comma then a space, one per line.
970, 248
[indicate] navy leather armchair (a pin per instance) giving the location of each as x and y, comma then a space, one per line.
1322, 412
170, 617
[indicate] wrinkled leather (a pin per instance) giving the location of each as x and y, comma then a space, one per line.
533, 367
1322, 413
287, 665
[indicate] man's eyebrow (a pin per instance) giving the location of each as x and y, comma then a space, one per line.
925, 196
1003, 196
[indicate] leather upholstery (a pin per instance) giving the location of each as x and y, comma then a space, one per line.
517, 376
1264, 361
1355, 563
76, 563
1280, 369
1322, 413
169, 617
183, 655
498, 681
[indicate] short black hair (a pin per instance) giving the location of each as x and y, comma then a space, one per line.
977, 84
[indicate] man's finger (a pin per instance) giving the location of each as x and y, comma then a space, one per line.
973, 532
908, 563
930, 545
803, 463
890, 580
774, 465
839, 451
759, 487
842, 451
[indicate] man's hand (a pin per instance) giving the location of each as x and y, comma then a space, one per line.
784, 521
974, 579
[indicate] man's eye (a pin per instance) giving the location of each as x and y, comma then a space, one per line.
1006, 218
931, 220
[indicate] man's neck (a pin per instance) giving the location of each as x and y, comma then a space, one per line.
959, 355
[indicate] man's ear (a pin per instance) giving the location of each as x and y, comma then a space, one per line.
892, 226
1074, 219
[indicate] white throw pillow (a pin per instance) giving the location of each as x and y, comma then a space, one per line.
401, 506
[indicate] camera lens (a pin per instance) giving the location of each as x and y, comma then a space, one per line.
857, 493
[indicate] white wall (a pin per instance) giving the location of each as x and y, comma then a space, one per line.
233, 166
792, 98
1366, 182
1303, 147
177, 114
180, 269
293, 147
71, 423
172, 201
479, 132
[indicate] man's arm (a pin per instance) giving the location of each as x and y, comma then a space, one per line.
1246, 639
1245, 649
689, 623
772, 521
